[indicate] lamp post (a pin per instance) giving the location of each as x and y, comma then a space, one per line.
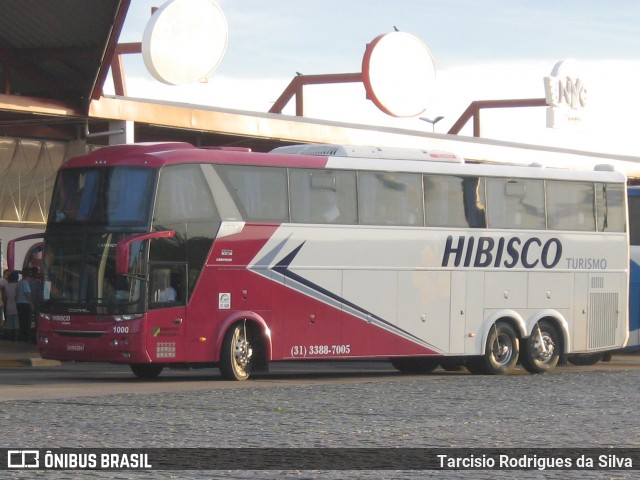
432, 121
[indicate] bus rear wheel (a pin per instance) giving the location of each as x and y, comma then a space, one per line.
236, 357
415, 365
501, 352
541, 351
146, 371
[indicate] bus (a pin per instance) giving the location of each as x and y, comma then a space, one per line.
634, 275
167, 255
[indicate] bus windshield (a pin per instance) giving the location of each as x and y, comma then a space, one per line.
115, 196
79, 275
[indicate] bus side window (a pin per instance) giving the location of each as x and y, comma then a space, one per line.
515, 203
319, 196
610, 207
444, 201
166, 286
570, 206
390, 199
261, 192
183, 195
473, 197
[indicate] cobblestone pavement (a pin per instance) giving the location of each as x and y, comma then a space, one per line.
578, 409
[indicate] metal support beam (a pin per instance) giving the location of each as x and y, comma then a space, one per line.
296, 85
473, 111
126, 129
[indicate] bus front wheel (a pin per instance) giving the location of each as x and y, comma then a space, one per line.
501, 352
236, 357
541, 351
146, 371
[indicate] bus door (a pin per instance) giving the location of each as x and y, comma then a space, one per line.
167, 312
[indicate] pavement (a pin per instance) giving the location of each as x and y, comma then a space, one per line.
22, 354
25, 354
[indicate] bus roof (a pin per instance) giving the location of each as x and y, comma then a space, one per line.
156, 155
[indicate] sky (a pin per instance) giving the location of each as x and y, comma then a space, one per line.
482, 50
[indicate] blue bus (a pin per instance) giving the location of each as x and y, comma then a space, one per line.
634, 272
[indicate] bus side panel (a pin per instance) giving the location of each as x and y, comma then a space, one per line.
474, 318
608, 318
579, 324
612, 327
372, 298
550, 290
309, 323
458, 312
505, 290
165, 338
201, 318
424, 303
233, 291
600, 312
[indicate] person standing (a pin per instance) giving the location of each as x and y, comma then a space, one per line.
35, 284
25, 306
10, 293
3, 283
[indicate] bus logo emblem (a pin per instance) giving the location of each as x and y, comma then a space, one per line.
23, 459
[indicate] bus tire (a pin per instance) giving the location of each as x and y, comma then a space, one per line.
501, 352
585, 359
415, 366
541, 350
146, 371
236, 357
475, 365
452, 365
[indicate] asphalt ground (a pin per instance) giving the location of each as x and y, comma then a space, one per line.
22, 354
300, 405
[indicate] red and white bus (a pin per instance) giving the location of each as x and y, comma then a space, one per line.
161, 255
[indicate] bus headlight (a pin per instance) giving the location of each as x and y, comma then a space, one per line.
125, 318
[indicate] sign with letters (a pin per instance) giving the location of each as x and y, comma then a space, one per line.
566, 95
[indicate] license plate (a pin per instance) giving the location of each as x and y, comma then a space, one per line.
75, 347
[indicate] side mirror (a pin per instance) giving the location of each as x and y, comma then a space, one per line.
123, 248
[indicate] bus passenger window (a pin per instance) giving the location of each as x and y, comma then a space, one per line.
261, 192
474, 201
319, 196
515, 203
610, 207
390, 199
183, 195
570, 206
444, 200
